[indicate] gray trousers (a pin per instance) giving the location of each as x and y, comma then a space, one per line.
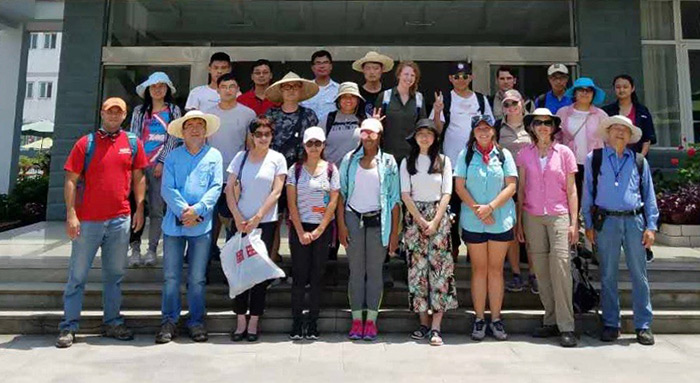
156, 207
365, 257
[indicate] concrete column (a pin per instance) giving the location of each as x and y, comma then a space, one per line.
13, 61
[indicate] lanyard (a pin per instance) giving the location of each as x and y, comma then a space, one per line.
618, 171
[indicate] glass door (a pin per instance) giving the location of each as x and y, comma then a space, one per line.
694, 69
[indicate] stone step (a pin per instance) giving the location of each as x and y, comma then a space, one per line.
48, 296
455, 322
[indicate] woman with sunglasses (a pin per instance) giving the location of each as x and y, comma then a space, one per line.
485, 179
368, 220
580, 121
513, 135
312, 197
628, 105
548, 221
255, 183
426, 188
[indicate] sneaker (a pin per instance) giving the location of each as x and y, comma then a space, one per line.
198, 333
435, 338
312, 331
568, 339
135, 257
356, 330
118, 332
297, 332
150, 259
498, 330
645, 337
168, 332
609, 334
534, 287
479, 330
65, 339
515, 285
546, 331
370, 331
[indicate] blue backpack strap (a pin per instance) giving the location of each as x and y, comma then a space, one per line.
89, 151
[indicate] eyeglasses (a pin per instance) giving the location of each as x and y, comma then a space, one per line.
367, 134
262, 134
462, 76
290, 86
321, 62
537, 123
312, 143
585, 90
510, 104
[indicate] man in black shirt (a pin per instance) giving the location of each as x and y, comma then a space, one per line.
372, 66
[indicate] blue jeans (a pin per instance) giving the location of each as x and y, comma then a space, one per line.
617, 233
113, 237
197, 259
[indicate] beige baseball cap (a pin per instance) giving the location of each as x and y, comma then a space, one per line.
557, 68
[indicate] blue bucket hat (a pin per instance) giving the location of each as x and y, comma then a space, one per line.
155, 78
587, 82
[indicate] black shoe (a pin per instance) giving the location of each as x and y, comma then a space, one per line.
312, 330
252, 337
297, 332
609, 334
568, 339
118, 332
645, 337
167, 333
237, 337
546, 331
65, 339
198, 333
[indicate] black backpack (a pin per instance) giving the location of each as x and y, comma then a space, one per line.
585, 296
597, 161
447, 102
470, 155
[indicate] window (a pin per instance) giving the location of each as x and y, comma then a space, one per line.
50, 40
30, 91
33, 40
45, 89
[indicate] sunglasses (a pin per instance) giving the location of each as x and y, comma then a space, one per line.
462, 76
312, 143
290, 86
585, 90
510, 104
262, 134
367, 134
537, 123
482, 117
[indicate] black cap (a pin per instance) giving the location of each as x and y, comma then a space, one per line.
460, 67
423, 123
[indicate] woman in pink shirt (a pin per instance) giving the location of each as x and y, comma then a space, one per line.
548, 220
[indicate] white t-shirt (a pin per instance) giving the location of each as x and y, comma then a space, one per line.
423, 186
256, 182
230, 138
578, 120
313, 191
365, 197
202, 98
543, 162
323, 102
461, 112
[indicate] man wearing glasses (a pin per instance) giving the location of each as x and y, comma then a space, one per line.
558, 76
452, 113
324, 101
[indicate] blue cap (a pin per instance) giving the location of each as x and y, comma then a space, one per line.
587, 82
155, 78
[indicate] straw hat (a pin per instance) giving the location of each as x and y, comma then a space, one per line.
349, 87
308, 90
155, 78
542, 112
619, 120
212, 123
374, 57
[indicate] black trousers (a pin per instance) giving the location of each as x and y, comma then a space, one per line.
308, 265
253, 299
455, 208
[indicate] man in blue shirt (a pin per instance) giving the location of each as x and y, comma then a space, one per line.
558, 76
192, 179
621, 213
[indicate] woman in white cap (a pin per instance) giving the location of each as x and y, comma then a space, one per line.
255, 183
312, 196
426, 189
548, 221
192, 182
149, 122
368, 220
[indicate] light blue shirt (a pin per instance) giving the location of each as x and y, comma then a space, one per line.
626, 195
388, 184
484, 182
191, 180
324, 101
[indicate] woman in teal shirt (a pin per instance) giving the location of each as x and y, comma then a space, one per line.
485, 181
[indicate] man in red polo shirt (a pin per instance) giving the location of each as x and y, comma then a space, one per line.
106, 164
255, 98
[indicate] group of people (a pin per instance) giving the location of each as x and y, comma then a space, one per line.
371, 169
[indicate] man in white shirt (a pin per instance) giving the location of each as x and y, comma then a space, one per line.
324, 101
206, 96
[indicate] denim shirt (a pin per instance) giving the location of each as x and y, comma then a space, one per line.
191, 180
388, 182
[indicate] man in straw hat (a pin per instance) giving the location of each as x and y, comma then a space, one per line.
192, 180
372, 65
322, 102
619, 208
107, 164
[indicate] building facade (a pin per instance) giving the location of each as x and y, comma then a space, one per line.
42, 76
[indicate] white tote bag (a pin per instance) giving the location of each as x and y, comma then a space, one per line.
245, 262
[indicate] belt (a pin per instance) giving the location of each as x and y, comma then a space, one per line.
624, 213
369, 214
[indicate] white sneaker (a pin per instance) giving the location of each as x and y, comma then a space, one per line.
135, 257
150, 259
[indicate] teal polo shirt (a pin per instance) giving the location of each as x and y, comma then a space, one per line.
484, 182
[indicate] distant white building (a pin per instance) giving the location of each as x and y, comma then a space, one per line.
42, 76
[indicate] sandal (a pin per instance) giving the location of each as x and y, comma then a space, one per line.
421, 333
435, 338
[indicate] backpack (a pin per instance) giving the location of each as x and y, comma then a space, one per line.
470, 155
541, 101
447, 103
597, 161
299, 165
90, 149
585, 296
386, 98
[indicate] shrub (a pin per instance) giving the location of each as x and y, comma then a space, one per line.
681, 206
